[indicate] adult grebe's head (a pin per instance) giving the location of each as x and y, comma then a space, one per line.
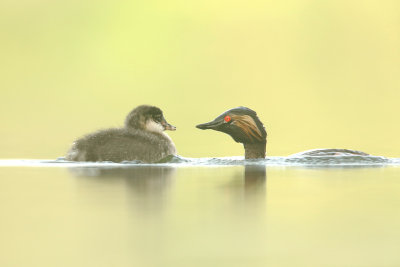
148, 118
241, 123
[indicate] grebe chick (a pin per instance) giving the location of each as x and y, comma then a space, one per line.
142, 139
244, 126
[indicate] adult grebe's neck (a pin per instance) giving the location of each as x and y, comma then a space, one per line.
254, 150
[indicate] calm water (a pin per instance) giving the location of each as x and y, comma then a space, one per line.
326, 211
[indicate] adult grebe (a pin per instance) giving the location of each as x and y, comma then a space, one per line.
244, 126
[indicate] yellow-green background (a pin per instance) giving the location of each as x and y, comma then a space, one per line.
319, 73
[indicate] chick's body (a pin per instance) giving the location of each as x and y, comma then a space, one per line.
142, 139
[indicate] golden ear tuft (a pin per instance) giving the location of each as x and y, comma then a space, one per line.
248, 126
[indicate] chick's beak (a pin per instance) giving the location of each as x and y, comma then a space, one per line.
213, 125
167, 126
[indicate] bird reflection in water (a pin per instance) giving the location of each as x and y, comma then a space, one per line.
155, 179
255, 177
255, 184
146, 186
248, 185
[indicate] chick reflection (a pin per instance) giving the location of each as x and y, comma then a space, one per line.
146, 185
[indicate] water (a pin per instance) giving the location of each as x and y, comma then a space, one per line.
281, 211
178, 161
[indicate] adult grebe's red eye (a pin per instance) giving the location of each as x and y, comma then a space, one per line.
227, 118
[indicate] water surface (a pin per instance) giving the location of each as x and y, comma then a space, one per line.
280, 211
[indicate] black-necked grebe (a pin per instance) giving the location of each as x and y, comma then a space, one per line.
243, 125
142, 139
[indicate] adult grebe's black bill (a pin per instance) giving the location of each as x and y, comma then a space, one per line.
211, 125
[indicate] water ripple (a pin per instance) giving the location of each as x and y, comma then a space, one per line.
177, 161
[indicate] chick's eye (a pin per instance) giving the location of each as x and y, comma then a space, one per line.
227, 118
157, 117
